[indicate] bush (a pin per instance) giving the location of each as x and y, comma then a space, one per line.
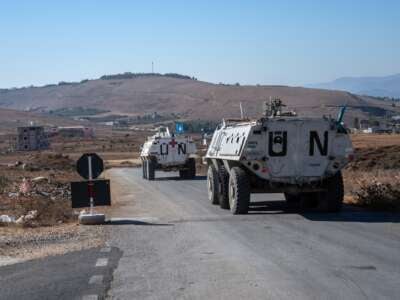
3, 183
67, 83
379, 196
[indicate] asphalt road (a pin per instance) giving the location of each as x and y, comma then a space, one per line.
165, 241
176, 245
77, 275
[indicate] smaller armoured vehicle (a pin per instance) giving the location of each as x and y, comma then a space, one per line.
279, 153
167, 152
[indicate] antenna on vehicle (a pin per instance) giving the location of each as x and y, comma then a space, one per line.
241, 111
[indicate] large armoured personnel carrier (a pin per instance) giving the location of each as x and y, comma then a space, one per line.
167, 152
301, 157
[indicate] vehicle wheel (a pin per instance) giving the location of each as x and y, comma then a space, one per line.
292, 198
223, 177
151, 170
332, 199
144, 169
239, 191
212, 185
191, 171
183, 174
310, 201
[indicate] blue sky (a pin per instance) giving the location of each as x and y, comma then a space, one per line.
251, 42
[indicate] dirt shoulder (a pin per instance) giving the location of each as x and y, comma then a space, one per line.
30, 243
35, 209
36, 218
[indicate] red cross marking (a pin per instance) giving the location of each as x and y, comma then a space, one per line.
173, 143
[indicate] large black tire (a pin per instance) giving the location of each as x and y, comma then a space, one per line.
328, 201
190, 170
239, 191
182, 174
310, 201
223, 178
151, 170
292, 198
212, 185
332, 199
144, 169
191, 165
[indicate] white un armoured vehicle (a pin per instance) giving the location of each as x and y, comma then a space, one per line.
167, 152
279, 153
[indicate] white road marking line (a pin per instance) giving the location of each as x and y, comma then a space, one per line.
96, 279
102, 262
90, 297
138, 219
105, 249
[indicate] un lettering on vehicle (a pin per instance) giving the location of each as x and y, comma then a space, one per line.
278, 143
164, 148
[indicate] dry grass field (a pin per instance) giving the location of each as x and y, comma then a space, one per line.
375, 140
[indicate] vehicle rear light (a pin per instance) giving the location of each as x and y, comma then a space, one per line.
264, 170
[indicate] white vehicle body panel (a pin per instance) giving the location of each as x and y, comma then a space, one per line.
283, 149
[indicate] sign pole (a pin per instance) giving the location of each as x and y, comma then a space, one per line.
90, 166
90, 184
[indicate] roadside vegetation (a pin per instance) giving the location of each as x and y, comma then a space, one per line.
76, 111
372, 180
379, 195
3, 183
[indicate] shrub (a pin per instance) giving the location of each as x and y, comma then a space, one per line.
3, 183
379, 196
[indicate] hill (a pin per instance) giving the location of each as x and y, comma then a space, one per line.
388, 86
185, 97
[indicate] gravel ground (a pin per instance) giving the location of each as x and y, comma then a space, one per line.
18, 244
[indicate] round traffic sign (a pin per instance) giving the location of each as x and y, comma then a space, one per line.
88, 160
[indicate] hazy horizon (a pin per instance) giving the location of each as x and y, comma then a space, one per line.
260, 42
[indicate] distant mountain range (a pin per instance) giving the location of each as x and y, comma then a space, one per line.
387, 86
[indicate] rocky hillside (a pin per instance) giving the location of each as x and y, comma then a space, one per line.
186, 97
